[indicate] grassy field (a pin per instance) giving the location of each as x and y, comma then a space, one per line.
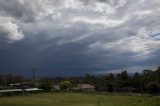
81, 99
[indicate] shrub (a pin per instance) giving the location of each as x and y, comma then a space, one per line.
65, 85
110, 87
46, 84
154, 87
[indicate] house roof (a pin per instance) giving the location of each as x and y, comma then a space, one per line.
33, 89
16, 84
85, 86
56, 87
11, 90
19, 90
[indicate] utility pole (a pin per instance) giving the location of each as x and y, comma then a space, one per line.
34, 76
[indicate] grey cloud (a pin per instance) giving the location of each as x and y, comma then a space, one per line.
10, 32
79, 36
26, 11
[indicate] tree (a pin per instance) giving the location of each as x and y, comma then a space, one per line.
154, 87
46, 84
136, 80
146, 78
2, 80
158, 68
18, 79
111, 77
9, 79
66, 84
156, 74
101, 84
147, 73
90, 79
124, 75
110, 87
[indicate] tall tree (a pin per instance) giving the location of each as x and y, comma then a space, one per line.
124, 75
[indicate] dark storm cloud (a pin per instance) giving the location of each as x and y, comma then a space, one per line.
78, 36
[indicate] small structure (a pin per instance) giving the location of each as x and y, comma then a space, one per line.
26, 85
10, 92
56, 88
15, 85
84, 87
31, 90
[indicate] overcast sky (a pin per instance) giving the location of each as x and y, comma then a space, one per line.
75, 37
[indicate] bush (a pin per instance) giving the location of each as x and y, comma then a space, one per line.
154, 87
110, 87
46, 84
65, 85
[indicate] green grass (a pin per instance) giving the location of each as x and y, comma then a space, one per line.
81, 99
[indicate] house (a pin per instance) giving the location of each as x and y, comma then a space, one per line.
84, 87
56, 88
10, 92
31, 90
26, 85
15, 85
23, 85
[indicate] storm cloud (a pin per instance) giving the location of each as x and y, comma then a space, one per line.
75, 37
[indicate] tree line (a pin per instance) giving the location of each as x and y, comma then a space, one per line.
146, 82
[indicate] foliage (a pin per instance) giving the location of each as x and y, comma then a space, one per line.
138, 82
154, 87
8, 79
65, 84
110, 87
46, 84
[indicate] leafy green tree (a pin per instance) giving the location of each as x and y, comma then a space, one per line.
46, 84
111, 77
9, 79
146, 78
18, 79
124, 75
90, 79
156, 74
136, 80
101, 84
154, 87
66, 84
2, 80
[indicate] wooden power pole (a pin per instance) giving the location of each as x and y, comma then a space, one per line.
34, 74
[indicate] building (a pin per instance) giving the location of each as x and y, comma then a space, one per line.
33, 90
56, 88
13, 92
10, 92
84, 87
